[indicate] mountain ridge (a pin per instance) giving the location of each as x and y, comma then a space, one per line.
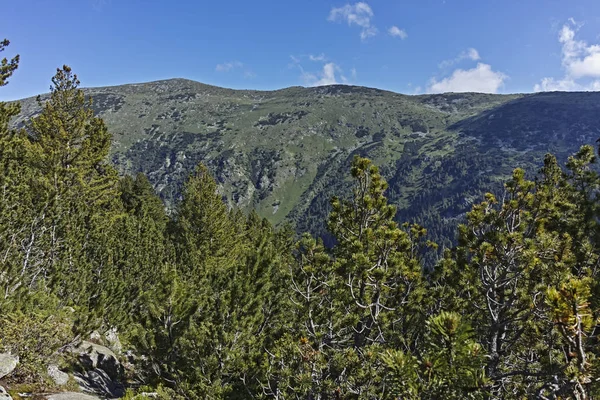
285, 152
180, 79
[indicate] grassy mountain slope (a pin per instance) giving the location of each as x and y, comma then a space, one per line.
285, 152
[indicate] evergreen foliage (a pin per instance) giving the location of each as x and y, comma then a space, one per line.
214, 303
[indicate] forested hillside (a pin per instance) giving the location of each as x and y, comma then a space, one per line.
103, 290
285, 153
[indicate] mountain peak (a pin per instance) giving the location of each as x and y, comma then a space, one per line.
284, 152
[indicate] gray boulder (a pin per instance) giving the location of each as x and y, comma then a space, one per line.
146, 395
98, 382
96, 337
59, 377
71, 396
93, 356
112, 338
4, 395
100, 371
8, 363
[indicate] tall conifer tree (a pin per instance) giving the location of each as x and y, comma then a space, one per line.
76, 191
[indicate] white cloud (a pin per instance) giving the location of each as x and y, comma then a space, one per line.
235, 65
469, 54
479, 79
229, 66
580, 61
309, 78
472, 53
327, 76
397, 32
586, 67
320, 57
298, 59
565, 85
368, 32
359, 14
551, 84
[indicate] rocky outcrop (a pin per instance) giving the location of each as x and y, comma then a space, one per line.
4, 395
98, 382
93, 356
100, 370
71, 396
58, 377
110, 339
113, 342
8, 363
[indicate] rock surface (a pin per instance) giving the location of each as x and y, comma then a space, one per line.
71, 396
98, 382
93, 356
8, 363
96, 337
4, 395
112, 338
59, 377
99, 371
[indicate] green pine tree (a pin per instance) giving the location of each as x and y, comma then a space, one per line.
352, 303
76, 192
449, 364
15, 196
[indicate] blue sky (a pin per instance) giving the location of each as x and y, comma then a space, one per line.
408, 46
